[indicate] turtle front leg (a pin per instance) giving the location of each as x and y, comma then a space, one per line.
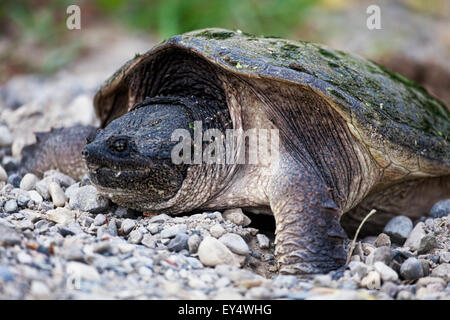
309, 238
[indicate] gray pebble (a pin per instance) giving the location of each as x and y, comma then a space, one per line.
383, 254
285, 281
173, 231
149, 241
442, 271
35, 196
85, 181
414, 238
28, 182
62, 179
42, 188
382, 240
389, 288
236, 216
399, 228
235, 243
112, 228
22, 200
440, 209
8, 236
411, 269
127, 226
444, 257
99, 220
193, 243
359, 269
14, 180
427, 243
5, 274
263, 241
70, 191
88, 199
178, 243
11, 206
6, 138
135, 237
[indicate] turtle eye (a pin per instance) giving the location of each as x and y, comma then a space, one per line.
119, 144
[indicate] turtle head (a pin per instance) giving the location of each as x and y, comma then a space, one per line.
130, 159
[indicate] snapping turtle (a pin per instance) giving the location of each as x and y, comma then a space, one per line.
352, 137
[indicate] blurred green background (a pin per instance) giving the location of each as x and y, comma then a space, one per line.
34, 37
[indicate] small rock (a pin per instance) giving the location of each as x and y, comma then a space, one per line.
285, 281
88, 199
149, 241
39, 290
11, 206
127, 226
28, 182
153, 228
386, 273
42, 188
6, 138
99, 220
8, 236
389, 288
35, 196
237, 217
263, 241
444, 257
178, 243
22, 200
423, 282
85, 181
79, 270
235, 243
440, 209
3, 175
322, 280
411, 269
212, 252
372, 281
5, 274
414, 238
193, 243
14, 180
173, 231
61, 216
359, 269
112, 228
382, 254
404, 295
25, 224
62, 179
57, 194
217, 231
135, 237
427, 243
399, 228
442, 271
70, 191
382, 240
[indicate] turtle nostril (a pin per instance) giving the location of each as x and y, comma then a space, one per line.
85, 152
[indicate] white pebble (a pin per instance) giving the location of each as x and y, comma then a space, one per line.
57, 194
212, 252
28, 182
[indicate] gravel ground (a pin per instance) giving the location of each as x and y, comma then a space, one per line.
60, 240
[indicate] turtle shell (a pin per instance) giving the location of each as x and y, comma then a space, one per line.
393, 116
